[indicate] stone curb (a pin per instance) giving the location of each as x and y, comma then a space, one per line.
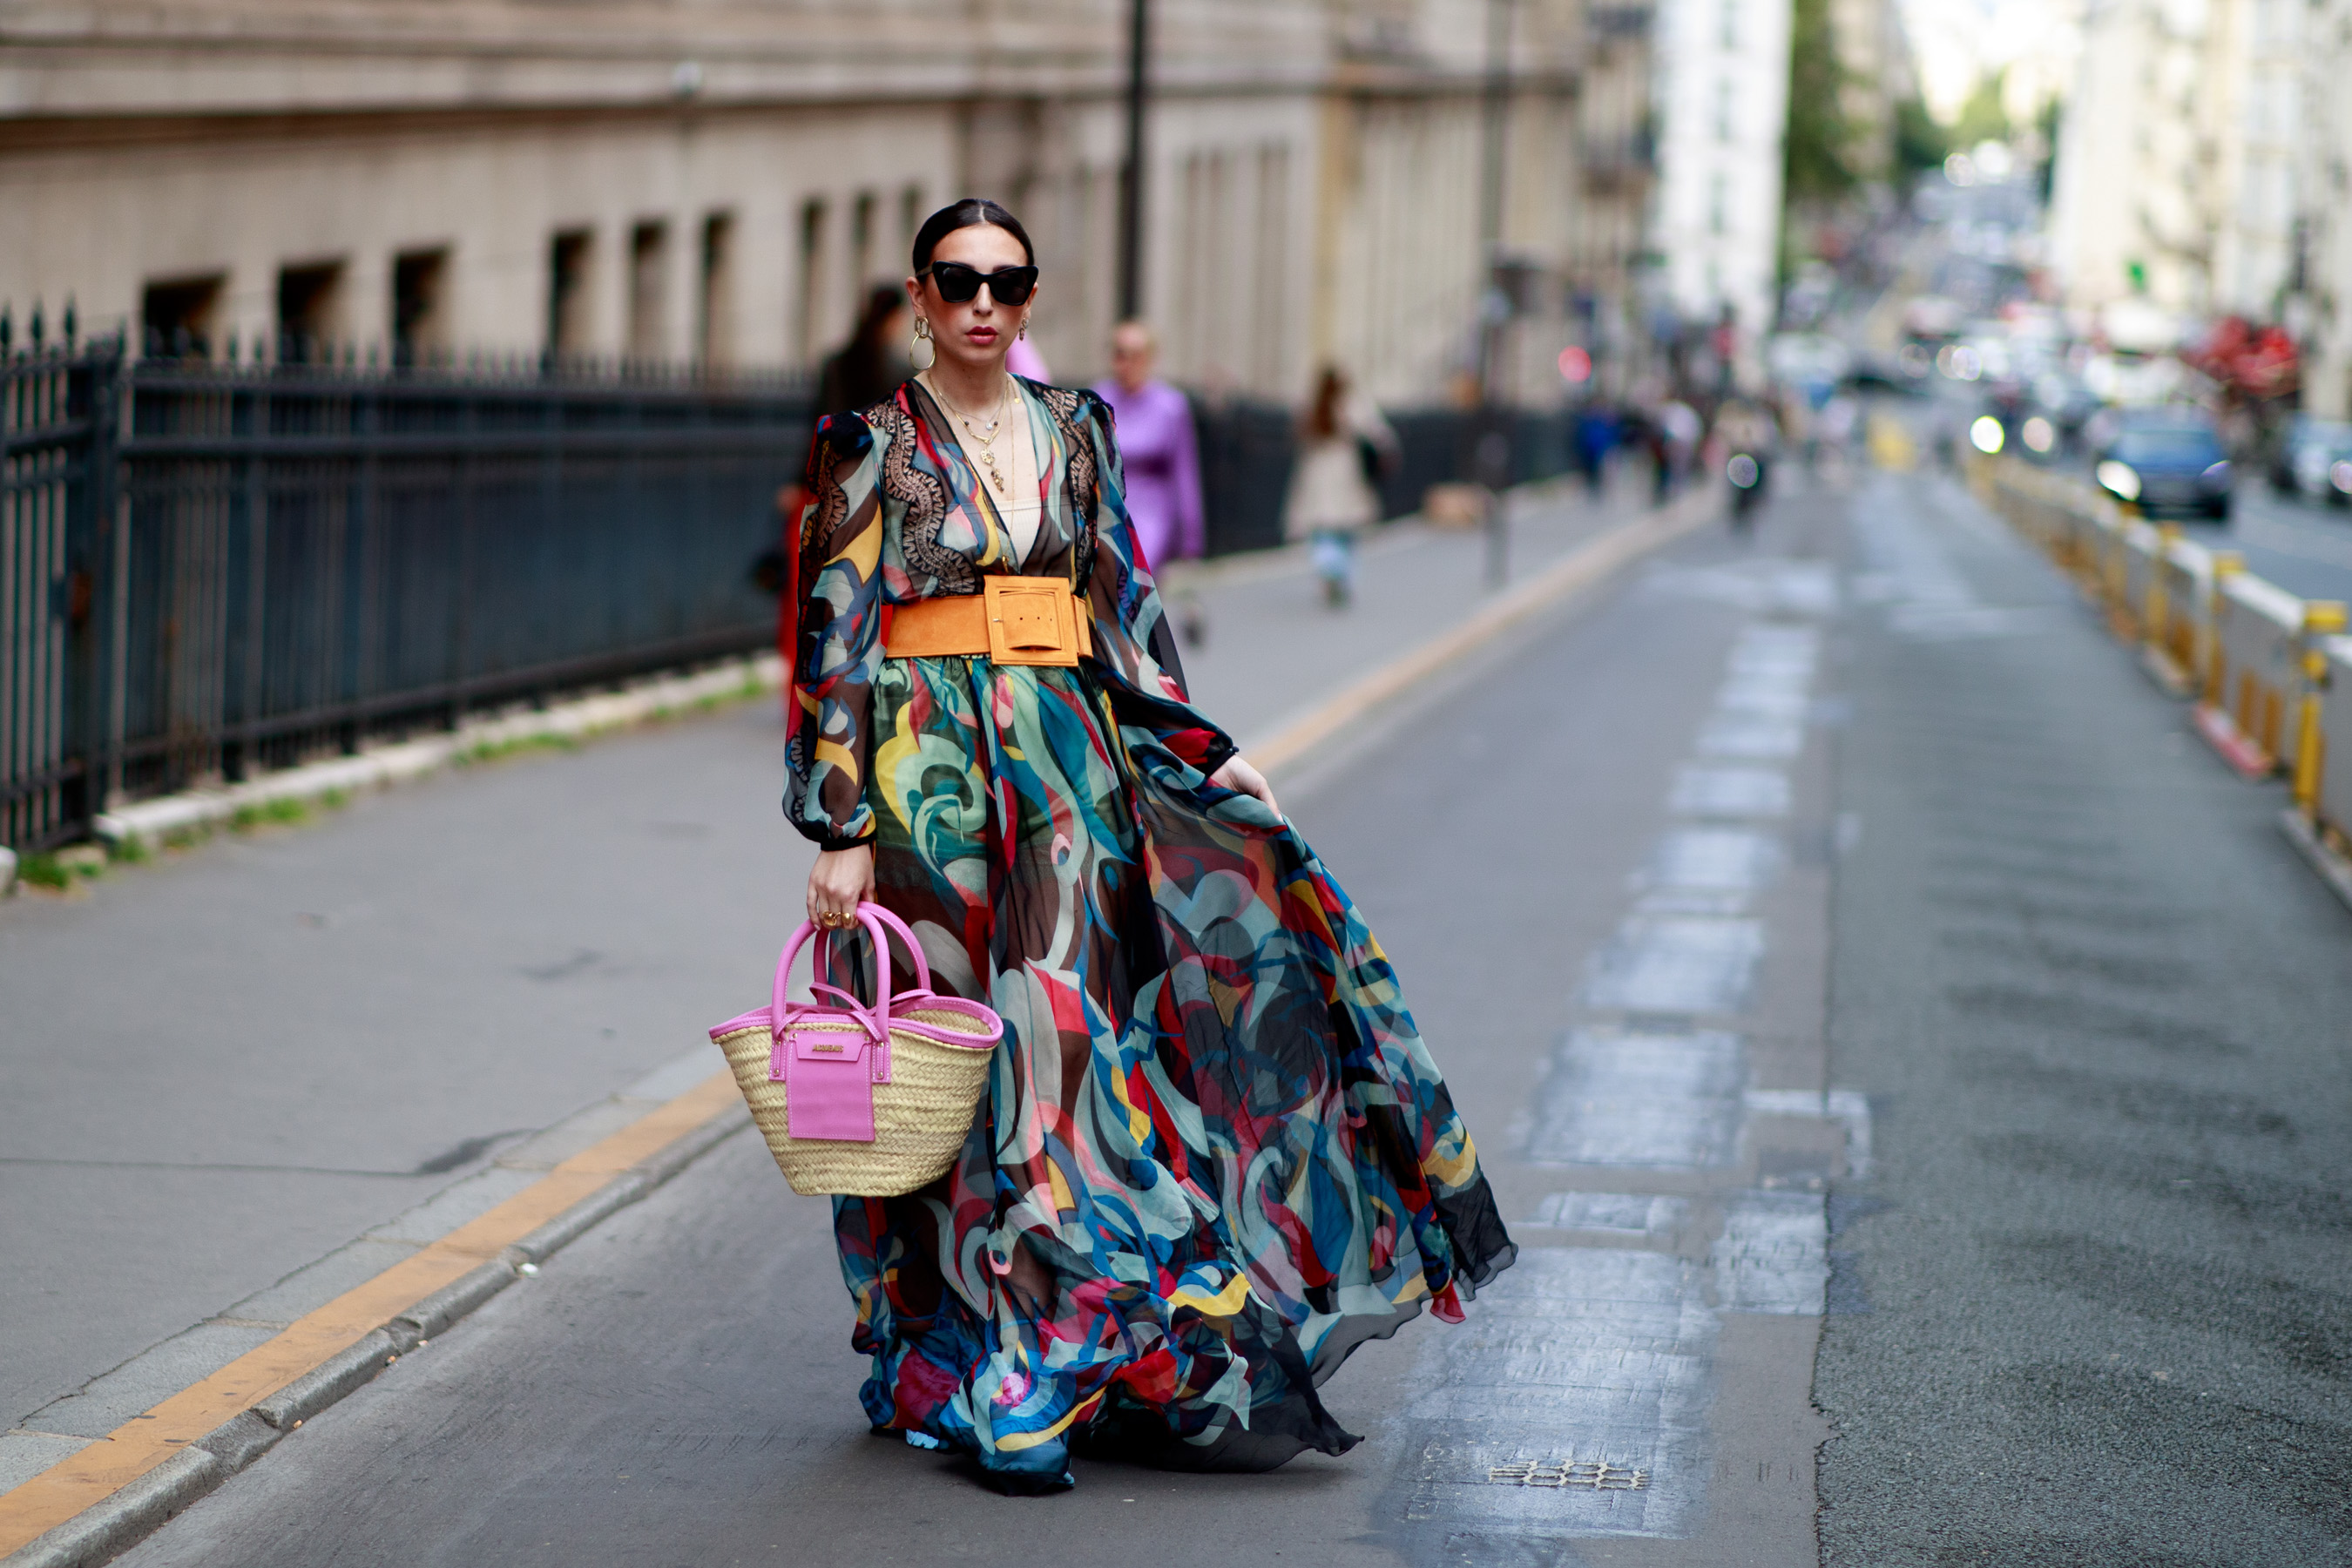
149, 824
130, 1514
126, 1517
2334, 869
454, 1301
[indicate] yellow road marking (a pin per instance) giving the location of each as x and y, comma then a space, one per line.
139, 1445
1586, 564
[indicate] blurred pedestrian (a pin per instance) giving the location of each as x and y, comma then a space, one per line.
1598, 430
1746, 439
1683, 428
1839, 420
1343, 445
871, 364
1649, 432
1162, 454
863, 371
1212, 1154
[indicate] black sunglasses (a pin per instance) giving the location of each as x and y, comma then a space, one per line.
959, 284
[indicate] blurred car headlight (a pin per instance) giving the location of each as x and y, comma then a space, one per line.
2216, 477
2340, 476
1985, 435
2040, 434
1743, 470
2119, 478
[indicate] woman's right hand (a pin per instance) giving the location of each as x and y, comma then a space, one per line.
839, 882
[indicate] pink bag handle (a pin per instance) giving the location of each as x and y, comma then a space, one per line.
882, 925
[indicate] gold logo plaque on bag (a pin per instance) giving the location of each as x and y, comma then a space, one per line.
1032, 620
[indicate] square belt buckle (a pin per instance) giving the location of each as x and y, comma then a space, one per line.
1030, 620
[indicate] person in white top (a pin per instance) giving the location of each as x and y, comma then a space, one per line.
1344, 446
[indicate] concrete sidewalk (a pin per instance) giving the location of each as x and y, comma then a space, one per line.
239, 1081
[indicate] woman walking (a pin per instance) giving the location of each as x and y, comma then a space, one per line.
1161, 458
1343, 444
1214, 1154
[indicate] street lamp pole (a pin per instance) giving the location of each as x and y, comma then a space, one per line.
1492, 455
1494, 104
1130, 195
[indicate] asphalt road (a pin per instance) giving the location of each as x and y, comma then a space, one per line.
2301, 545
1835, 944
2100, 1290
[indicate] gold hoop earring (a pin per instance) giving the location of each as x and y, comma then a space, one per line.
924, 353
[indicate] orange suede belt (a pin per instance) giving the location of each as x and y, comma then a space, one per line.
1013, 620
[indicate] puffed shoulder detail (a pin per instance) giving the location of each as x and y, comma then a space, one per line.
1075, 406
844, 435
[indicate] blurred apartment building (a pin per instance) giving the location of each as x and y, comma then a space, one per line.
1875, 54
1721, 88
2202, 169
720, 181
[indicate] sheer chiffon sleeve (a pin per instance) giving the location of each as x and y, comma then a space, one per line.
838, 652
1133, 639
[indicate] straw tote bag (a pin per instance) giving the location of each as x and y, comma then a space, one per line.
868, 1101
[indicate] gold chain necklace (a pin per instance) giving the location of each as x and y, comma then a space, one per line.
987, 439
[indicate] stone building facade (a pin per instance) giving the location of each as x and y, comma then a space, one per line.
720, 181
2202, 171
1721, 88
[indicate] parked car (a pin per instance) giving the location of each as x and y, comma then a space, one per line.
2171, 462
2315, 459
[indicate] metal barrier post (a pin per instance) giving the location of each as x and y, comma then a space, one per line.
2227, 564
2321, 618
2158, 605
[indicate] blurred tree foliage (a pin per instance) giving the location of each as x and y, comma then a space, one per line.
1819, 161
2050, 120
1920, 144
1983, 117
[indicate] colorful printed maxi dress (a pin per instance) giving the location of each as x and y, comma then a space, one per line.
1214, 1155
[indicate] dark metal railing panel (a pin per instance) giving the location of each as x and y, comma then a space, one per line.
54, 421
1246, 455
381, 552
307, 559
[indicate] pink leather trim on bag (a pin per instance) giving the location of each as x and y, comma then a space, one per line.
830, 1055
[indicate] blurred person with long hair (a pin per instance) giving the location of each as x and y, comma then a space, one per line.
1162, 453
1214, 1154
865, 368
1343, 445
872, 364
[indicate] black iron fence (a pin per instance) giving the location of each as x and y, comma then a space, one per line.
207, 570
57, 418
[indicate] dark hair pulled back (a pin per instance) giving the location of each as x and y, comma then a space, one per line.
969, 213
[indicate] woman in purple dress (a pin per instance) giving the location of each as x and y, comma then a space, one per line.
1163, 467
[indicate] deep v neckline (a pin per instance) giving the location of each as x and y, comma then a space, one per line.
992, 515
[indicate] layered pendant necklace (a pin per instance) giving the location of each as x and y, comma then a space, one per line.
985, 434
